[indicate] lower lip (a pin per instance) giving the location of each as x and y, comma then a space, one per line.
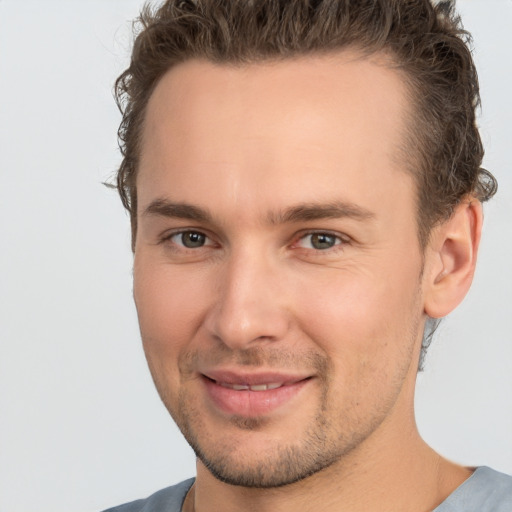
251, 403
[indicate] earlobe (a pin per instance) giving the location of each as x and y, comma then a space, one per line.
451, 259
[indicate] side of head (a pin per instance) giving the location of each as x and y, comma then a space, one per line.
425, 43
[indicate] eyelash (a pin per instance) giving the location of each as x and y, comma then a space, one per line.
168, 238
340, 243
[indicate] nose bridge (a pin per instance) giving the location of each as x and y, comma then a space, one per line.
249, 307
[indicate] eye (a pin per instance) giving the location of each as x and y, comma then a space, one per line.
189, 239
319, 241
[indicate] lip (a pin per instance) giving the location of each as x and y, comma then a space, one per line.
231, 391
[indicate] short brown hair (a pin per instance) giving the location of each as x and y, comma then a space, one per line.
425, 41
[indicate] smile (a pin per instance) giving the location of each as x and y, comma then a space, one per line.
246, 387
252, 395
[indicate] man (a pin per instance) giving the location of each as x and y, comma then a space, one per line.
304, 185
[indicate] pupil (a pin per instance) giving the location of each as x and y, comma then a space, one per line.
322, 241
192, 239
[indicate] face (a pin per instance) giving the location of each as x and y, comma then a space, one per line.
277, 271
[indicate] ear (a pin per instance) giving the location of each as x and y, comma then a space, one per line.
451, 259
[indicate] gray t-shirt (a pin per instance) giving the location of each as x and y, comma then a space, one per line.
485, 490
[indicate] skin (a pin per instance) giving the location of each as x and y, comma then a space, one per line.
268, 155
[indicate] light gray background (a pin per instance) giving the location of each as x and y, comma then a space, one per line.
81, 427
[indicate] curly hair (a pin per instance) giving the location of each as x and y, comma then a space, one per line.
425, 41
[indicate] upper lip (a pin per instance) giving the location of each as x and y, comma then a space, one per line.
253, 378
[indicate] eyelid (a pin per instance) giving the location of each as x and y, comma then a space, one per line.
342, 239
168, 235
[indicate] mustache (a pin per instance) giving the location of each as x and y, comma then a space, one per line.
255, 357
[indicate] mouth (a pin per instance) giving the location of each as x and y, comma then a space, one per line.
252, 395
247, 387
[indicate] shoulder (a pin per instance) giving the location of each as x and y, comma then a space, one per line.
169, 499
486, 490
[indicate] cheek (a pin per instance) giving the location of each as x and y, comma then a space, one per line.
361, 320
369, 335
169, 308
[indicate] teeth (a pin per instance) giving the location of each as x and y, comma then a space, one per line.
245, 387
259, 387
239, 387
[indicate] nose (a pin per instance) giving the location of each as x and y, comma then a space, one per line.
250, 305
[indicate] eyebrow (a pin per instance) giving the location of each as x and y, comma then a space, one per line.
166, 208
302, 212
317, 211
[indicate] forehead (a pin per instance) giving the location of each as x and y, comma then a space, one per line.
304, 125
